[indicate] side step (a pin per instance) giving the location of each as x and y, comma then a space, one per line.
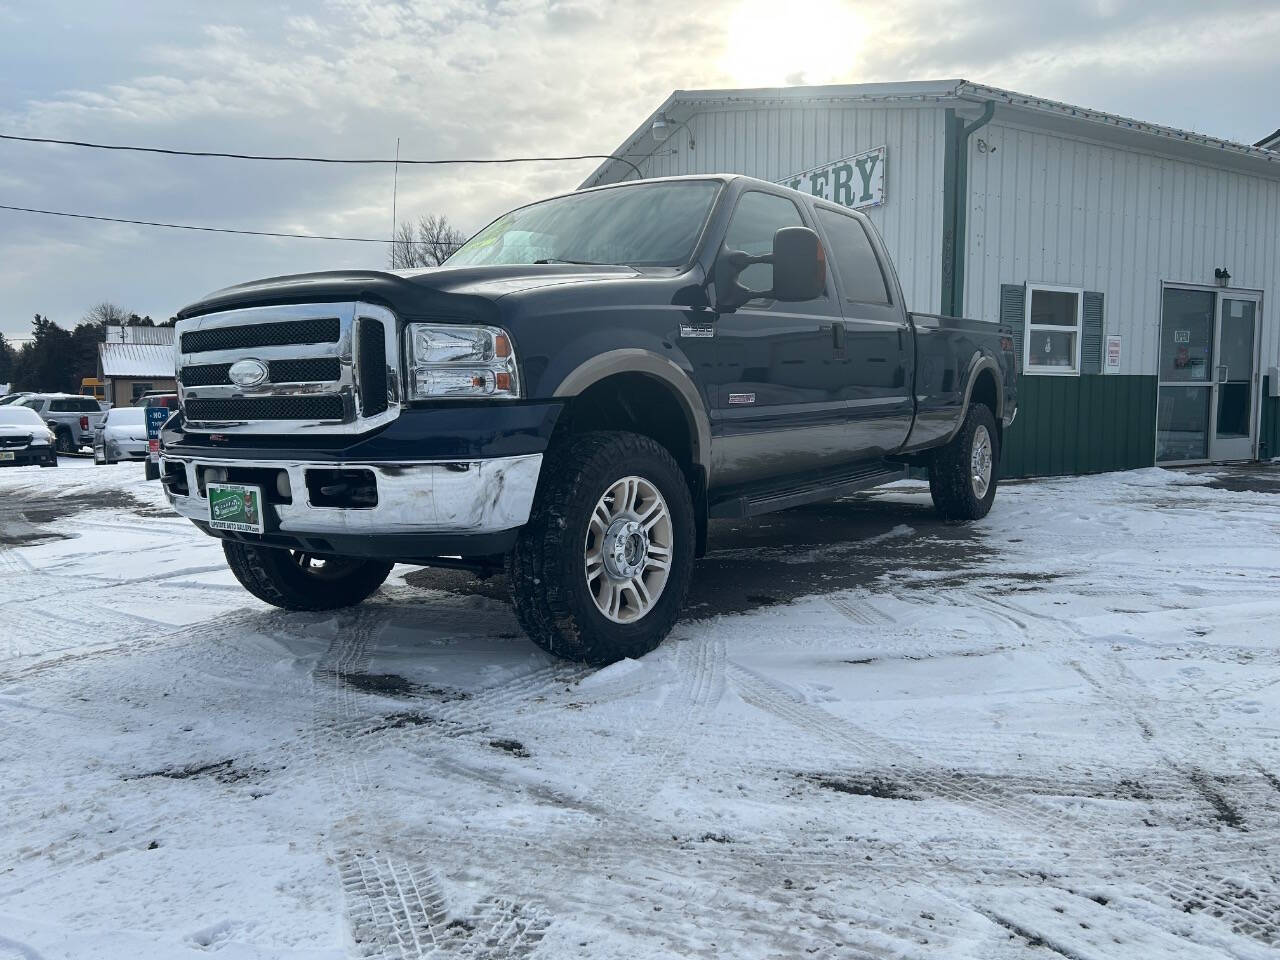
828, 488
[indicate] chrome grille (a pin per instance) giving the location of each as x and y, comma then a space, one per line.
329, 368
317, 330
308, 370
267, 408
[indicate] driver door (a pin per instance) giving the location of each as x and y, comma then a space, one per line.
776, 382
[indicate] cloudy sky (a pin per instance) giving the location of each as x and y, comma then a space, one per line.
486, 79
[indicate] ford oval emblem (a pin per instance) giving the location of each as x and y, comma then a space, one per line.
248, 373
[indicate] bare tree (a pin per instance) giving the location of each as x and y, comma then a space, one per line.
105, 313
429, 245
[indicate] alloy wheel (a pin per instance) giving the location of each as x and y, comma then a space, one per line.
628, 550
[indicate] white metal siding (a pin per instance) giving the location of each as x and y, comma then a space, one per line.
772, 143
1045, 207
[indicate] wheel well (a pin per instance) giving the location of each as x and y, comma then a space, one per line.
986, 393
636, 402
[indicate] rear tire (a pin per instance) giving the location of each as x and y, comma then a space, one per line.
964, 473
296, 581
601, 569
64, 442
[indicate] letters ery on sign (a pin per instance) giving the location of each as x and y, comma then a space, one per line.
856, 181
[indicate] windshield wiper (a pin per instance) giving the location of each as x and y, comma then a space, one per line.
579, 263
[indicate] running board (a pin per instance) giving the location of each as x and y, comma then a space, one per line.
829, 488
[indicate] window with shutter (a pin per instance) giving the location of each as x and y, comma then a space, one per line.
1053, 330
1013, 310
1091, 350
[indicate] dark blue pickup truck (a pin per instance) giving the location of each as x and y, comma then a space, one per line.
572, 395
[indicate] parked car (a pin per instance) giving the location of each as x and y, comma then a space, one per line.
72, 418
9, 398
157, 398
24, 438
122, 435
572, 395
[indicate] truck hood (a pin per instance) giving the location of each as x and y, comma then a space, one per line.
465, 293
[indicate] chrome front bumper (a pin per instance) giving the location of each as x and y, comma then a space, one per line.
462, 497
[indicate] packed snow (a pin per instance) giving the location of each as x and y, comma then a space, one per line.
1050, 734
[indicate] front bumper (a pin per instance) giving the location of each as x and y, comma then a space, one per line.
423, 508
126, 449
26, 456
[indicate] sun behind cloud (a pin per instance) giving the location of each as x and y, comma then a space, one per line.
769, 43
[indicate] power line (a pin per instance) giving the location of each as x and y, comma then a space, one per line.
187, 226
256, 156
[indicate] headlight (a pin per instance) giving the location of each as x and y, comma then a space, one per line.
457, 361
39, 441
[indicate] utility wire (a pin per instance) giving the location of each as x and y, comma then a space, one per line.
186, 226
253, 156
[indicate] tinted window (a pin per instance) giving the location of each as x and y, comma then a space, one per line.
32, 402
74, 406
854, 258
653, 224
758, 217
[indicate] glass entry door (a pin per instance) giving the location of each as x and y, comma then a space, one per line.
1235, 379
1208, 376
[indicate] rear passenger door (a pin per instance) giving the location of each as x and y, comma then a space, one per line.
877, 349
778, 407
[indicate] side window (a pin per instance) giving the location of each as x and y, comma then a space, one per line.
32, 402
87, 406
758, 217
855, 260
59, 406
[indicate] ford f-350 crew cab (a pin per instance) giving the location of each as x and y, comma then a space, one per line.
573, 394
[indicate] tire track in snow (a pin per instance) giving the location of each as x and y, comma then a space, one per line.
397, 908
1251, 907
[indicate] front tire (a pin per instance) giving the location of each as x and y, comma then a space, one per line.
295, 580
601, 569
964, 473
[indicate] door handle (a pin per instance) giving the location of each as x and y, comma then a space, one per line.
1223, 373
837, 336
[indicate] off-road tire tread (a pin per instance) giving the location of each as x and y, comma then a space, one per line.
540, 566
949, 484
273, 576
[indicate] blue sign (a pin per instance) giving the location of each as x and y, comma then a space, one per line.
156, 416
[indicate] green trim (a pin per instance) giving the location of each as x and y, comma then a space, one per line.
1269, 428
1076, 425
955, 203
950, 190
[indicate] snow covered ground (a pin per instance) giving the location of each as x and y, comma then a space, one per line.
1051, 734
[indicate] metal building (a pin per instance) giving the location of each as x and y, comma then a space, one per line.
1134, 261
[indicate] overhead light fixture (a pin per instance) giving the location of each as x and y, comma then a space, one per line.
1221, 275
661, 128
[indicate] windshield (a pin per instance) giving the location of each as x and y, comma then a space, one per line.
641, 225
21, 416
122, 416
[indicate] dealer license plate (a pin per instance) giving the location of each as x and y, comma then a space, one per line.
235, 506
6, 455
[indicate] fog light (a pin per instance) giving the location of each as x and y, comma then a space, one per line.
282, 485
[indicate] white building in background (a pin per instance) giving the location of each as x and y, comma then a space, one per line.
136, 360
1134, 261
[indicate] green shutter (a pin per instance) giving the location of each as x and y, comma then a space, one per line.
1013, 314
1091, 347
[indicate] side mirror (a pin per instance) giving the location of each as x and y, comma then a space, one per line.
799, 270
799, 265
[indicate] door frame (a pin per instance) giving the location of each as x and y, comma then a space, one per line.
1255, 412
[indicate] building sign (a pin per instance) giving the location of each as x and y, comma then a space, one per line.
1114, 349
856, 181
